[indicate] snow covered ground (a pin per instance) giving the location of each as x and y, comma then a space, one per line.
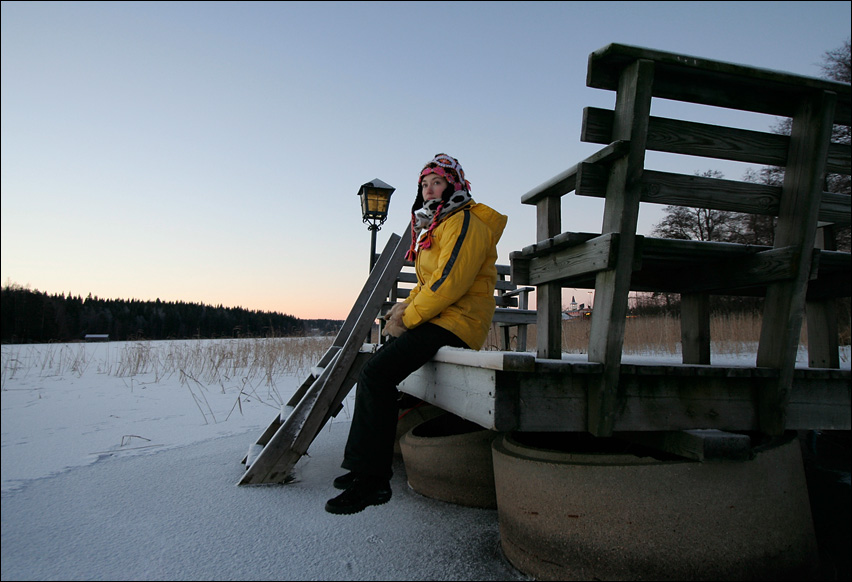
114, 476
120, 478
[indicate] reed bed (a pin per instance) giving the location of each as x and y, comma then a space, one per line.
206, 362
733, 335
252, 363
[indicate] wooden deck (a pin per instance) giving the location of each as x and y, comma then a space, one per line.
800, 275
513, 391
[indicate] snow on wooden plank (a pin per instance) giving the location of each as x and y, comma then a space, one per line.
492, 360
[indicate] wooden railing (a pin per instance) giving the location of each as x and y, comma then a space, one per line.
792, 273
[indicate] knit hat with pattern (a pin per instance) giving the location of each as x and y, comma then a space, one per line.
430, 214
449, 168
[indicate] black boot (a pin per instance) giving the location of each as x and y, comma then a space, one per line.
344, 481
363, 492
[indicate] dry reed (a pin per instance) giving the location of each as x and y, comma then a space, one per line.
249, 362
730, 335
254, 364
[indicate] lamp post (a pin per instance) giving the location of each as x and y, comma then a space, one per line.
375, 200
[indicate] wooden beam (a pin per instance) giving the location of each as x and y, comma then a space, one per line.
548, 295
756, 270
564, 183
711, 141
713, 193
823, 344
697, 80
621, 211
552, 395
797, 220
695, 328
296, 433
560, 241
590, 257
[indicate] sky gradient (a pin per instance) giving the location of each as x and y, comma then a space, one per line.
212, 152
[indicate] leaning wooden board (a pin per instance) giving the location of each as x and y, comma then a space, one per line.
315, 404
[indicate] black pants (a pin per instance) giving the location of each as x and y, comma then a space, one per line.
369, 448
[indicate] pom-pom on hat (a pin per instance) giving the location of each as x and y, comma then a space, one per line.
449, 168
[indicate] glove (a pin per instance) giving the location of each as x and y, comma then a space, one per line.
394, 326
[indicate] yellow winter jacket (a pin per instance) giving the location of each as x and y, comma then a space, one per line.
457, 274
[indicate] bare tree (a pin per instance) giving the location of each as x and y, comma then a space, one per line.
837, 65
713, 225
686, 223
709, 225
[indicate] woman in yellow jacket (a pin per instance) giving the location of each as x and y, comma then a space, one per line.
454, 249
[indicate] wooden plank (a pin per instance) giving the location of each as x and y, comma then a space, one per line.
564, 182
713, 193
594, 255
403, 292
834, 277
514, 316
331, 352
836, 208
522, 291
430, 383
697, 80
694, 250
298, 431
797, 220
839, 159
559, 241
685, 266
711, 141
694, 139
830, 286
823, 344
695, 191
757, 270
695, 328
621, 211
520, 268
553, 396
549, 320
548, 295
492, 360
659, 400
823, 348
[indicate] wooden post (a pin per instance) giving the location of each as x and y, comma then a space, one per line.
695, 328
621, 211
823, 348
549, 295
797, 219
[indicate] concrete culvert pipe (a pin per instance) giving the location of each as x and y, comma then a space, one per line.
573, 507
449, 458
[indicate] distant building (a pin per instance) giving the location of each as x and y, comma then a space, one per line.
575, 311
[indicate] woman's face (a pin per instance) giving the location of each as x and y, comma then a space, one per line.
433, 186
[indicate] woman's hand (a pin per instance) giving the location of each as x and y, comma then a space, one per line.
394, 326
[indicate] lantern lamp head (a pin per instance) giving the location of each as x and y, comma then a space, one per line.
375, 200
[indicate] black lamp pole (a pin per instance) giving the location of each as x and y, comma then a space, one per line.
375, 200
373, 228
